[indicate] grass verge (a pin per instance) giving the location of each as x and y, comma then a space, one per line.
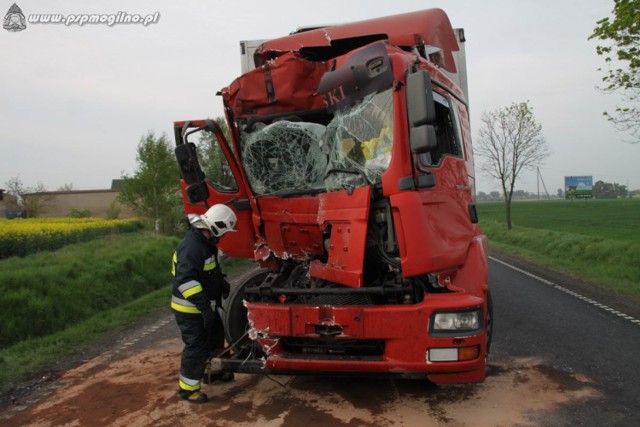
26, 358
47, 292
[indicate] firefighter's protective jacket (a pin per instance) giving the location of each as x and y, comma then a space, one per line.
197, 277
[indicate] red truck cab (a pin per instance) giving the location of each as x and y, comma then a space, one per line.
353, 182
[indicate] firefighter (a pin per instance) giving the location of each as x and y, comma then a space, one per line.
198, 289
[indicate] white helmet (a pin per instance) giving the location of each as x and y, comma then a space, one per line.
219, 219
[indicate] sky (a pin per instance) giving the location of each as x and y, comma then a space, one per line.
75, 100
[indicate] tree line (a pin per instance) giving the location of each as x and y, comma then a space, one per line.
600, 190
608, 190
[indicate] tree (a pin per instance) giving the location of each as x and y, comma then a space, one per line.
67, 186
153, 192
510, 140
16, 188
29, 201
607, 190
621, 53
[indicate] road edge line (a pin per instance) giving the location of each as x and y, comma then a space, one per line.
567, 291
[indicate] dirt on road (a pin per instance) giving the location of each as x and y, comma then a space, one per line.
134, 383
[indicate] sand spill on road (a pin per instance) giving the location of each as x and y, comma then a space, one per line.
140, 390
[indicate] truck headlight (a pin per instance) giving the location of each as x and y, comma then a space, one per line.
463, 321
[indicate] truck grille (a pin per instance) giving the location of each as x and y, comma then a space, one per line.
333, 347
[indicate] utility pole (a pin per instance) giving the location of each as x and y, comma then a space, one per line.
543, 185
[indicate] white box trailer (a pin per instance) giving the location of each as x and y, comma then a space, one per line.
247, 49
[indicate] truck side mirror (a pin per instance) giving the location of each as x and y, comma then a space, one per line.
420, 104
188, 162
421, 110
197, 192
422, 139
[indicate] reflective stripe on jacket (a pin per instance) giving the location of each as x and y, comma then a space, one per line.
184, 306
209, 264
196, 274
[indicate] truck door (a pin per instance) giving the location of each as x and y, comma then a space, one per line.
221, 181
442, 225
448, 204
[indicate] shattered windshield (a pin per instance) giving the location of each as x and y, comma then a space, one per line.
290, 157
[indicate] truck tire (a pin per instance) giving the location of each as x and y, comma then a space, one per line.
235, 313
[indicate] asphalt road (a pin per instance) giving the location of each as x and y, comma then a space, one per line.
574, 330
564, 354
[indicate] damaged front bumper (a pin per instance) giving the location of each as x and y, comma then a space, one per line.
380, 340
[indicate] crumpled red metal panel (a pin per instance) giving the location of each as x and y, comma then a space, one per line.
291, 226
431, 27
347, 214
288, 83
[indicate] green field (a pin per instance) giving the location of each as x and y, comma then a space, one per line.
595, 240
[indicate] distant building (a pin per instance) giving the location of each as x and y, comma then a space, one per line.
58, 204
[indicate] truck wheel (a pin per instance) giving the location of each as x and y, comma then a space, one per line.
489, 322
235, 313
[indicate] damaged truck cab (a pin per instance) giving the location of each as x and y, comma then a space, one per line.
353, 183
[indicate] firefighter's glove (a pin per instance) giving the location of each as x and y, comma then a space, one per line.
209, 318
226, 288
201, 301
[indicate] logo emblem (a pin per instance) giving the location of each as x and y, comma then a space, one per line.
14, 20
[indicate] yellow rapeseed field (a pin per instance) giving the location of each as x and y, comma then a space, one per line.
64, 225
24, 236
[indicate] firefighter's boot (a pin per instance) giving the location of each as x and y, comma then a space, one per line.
195, 396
